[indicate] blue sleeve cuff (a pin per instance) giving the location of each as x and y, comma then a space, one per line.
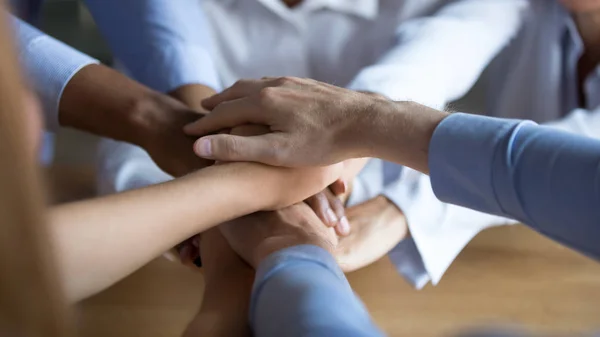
279, 260
49, 65
462, 154
309, 253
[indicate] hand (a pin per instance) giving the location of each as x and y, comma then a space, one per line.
325, 204
161, 119
256, 236
330, 209
104, 102
378, 226
329, 204
228, 285
312, 123
187, 250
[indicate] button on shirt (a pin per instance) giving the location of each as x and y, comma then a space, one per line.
428, 51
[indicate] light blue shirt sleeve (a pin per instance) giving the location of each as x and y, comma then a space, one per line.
49, 65
546, 178
301, 291
162, 44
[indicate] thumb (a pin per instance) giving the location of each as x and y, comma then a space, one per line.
225, 147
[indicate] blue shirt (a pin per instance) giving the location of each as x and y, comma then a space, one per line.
546, 178
161, 43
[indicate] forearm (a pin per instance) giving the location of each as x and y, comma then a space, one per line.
225, 304
101, 241
104, 102
378, 136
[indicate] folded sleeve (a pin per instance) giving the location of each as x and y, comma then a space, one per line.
438, 58
546, 178
49, 65
301, 291
163, 44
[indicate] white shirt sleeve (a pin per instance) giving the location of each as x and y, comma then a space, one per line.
436, 60
581, 122
122, 166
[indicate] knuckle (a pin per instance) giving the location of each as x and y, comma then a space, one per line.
278, 155
267, 94
231, 148
281, 81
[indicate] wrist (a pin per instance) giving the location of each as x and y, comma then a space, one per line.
192, 95
401, 132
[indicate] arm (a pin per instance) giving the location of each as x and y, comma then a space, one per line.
543, 177
549, 180
227, 288
49, 65
438, 58
78, 93
100, 241
163, 44
301, 291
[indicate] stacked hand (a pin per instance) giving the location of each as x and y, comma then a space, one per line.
312, 124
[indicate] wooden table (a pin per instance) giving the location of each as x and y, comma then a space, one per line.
507, 275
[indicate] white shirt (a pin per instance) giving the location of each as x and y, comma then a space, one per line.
386, 46
536, 76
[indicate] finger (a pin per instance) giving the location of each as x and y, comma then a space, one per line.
320, 205
342, 226
335, 204
338, 187
241, 88
227, 115
264, 149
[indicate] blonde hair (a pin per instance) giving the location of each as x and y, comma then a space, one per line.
31, 303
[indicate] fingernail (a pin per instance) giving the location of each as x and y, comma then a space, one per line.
344, 226
331, 217
203, 147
